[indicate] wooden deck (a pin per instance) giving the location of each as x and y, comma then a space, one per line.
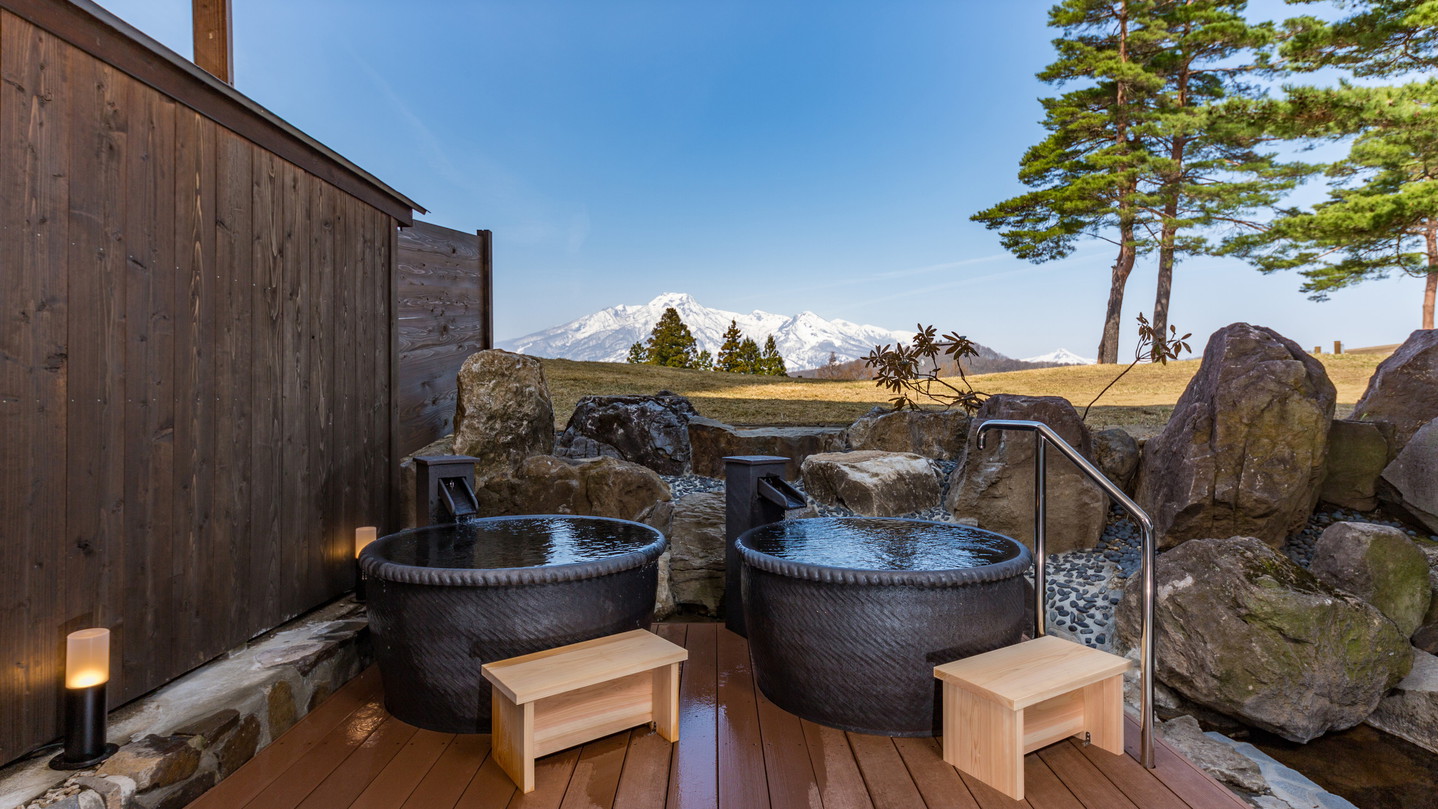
736, 750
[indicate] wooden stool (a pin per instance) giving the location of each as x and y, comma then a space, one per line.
548, 701
1000, 705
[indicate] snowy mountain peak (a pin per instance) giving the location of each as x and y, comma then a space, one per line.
1061, 356
805, 340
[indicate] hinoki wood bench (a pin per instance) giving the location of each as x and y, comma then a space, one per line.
1001, 705
548, 701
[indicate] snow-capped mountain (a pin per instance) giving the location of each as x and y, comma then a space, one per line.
1061, 357
805, 340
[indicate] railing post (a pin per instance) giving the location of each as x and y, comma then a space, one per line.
1044, 436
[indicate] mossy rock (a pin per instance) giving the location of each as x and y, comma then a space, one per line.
1380, 565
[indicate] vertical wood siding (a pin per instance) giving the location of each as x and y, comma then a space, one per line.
195, 345
443, 299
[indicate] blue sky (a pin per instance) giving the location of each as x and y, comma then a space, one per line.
759, 155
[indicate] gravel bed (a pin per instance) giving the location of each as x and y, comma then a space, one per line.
1084, 589
1121, 543
681, 485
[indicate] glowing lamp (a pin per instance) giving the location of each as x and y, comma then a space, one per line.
87, 669
364, 535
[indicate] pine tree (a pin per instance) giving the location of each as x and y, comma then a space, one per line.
705, 361
1207, 167
1085, 173
637, 354
748, 359
771, 362
671, 344
729, 351
1381, 215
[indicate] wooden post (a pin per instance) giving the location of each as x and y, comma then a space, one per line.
213, 38
1337, 346
486, 286
1318, 349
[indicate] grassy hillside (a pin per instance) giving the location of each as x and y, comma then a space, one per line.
1142, 400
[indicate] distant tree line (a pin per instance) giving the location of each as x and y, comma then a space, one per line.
672, 345
1164, 144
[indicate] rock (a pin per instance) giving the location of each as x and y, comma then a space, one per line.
1400, 391
712, 441
543, 484
115, 791
1213, 757
503, 414
664, 604
1426, 636
872, 483
154, 761
280, 708
408, 481
1244, 452
570, 445
1411, 711
937, 434
652, 431
1116, 454
601, 487
995, 485
1249, 634
1378, 564
1410, 484
694, 525
179, 796
1357, 453
238, 748
615, 488
207, 730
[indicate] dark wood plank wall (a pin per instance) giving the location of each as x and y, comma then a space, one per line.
444, 316
195, 346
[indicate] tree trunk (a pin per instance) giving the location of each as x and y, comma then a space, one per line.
1166, 249
1108, 346
1430, 291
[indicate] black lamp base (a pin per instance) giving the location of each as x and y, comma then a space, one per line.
59, 762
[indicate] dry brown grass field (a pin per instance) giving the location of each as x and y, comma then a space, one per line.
1141, 401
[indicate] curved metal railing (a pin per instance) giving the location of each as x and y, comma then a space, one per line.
1044, 436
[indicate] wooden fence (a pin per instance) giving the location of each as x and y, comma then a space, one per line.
196, 359
445, 314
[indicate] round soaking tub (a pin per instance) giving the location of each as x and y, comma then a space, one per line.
848, 617
445, 599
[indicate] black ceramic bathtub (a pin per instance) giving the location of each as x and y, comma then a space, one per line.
445, 599
848, 617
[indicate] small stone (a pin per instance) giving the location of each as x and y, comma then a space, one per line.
239, 747
114, 790
154, 761
281, 708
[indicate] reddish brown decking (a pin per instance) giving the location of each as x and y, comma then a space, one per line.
736, 750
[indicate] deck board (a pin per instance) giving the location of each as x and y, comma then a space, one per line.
736, 749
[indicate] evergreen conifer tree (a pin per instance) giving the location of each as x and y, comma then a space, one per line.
771, 362
671, 344
748, 359
729, 352
705, 361
637, 354
1084, 175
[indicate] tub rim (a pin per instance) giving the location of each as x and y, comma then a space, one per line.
376, 567
1009, 568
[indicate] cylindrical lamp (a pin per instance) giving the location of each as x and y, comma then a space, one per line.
364, 535
87, 670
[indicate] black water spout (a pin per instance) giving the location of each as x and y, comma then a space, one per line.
444, 489
755, 494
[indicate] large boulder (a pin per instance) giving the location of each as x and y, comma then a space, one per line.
1247, 633
600, 487
1378, 564
872, 483
994, 486
1401, 389
712, 441
652, 431
694, 525
1116, 454
1244, 452
1357, 453
1411, 711
1426, 636
1410, 484
937, 434
503, 414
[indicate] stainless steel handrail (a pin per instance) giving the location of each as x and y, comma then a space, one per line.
1044, 435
